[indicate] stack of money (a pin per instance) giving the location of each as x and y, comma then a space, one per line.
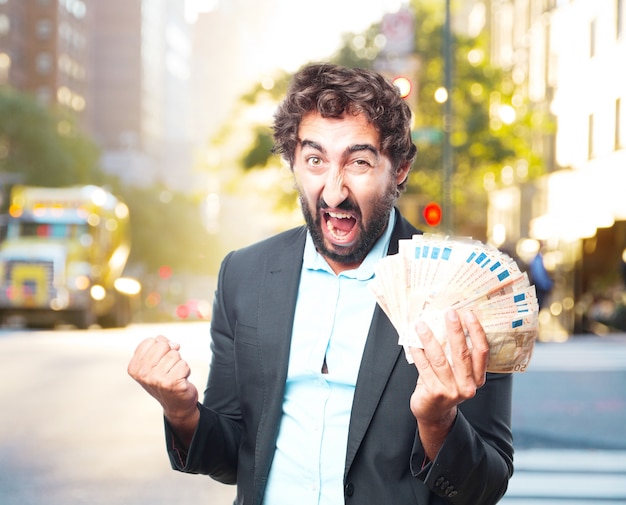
432, 273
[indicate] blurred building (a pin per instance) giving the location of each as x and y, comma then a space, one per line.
567, 56
216, 55
45, 50
124, 68
141, 80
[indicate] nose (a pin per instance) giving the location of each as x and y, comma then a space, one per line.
335, 190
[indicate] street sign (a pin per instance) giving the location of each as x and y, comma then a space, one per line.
427, 135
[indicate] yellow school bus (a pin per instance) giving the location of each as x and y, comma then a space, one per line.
63, 258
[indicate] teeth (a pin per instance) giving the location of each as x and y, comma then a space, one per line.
332, 231
338, 215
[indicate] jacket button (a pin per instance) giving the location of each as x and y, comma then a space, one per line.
439, 481
449, 490
349, 489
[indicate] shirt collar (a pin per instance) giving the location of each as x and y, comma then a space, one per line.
313, 260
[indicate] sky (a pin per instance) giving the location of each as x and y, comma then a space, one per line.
316, 25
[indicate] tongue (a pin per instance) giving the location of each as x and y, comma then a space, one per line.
344, 225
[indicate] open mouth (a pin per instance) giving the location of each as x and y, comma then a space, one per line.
341, 227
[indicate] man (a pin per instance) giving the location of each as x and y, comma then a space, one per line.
310, 400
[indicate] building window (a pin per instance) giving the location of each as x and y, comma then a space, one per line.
43, 63
590, 146
5, 66
5, 24
618, 124
44, 95
44, 29
592, 38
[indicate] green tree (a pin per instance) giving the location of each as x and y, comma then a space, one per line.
167, 229
43, 146
483, 143
493, 124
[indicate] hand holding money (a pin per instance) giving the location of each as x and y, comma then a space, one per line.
432, 273
443, 383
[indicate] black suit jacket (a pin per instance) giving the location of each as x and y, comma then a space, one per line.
385, 463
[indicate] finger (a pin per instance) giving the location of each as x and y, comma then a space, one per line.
143, 347
460, 352
152, 362
432, 358
180, 371
162, 339
164, 367
461, 356
139, 355
480, 347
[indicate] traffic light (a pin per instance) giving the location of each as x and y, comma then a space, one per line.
404, 85
165, 272
432, 214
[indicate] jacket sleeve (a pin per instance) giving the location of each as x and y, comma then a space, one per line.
475, 462
215, 445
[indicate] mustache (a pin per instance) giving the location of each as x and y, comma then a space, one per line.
347, 205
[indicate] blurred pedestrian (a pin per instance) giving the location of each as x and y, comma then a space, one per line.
309, 398
541, 278
623, 266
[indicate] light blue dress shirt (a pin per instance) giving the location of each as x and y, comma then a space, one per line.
332, 319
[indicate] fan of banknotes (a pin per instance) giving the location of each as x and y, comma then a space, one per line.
432, 273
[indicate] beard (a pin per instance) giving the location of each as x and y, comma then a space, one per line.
369, 232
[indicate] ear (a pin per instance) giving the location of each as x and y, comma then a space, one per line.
402, 173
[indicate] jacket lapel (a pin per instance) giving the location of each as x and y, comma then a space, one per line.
281, 276
379, 357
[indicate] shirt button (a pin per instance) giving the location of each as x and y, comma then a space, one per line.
349, 489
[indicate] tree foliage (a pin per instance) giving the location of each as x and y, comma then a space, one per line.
167, 229
42, 146
484, 145
45, 147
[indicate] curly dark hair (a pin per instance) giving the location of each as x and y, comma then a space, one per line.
333, 90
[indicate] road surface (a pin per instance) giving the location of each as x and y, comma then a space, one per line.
76, 430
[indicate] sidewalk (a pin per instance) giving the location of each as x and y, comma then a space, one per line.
581, 352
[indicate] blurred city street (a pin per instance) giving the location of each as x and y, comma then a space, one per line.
569, 424
136, 153
76, 429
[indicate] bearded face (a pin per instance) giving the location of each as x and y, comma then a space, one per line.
347, 186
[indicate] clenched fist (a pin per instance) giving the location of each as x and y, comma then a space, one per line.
159, 368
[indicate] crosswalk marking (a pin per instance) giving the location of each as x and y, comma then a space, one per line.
559, 477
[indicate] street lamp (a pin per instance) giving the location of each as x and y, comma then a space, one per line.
448, 218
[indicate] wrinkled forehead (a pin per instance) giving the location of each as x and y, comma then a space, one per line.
346, 129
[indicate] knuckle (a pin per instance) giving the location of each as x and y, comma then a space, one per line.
469, 391
464, 353
439, 361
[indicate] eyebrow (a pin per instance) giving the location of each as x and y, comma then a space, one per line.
363, 147
350, 149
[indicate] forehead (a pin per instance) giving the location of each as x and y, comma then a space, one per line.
347, 130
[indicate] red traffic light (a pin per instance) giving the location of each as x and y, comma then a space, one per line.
165, 272
432, 214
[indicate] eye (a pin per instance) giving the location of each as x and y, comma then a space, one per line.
314, 161
360, 165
